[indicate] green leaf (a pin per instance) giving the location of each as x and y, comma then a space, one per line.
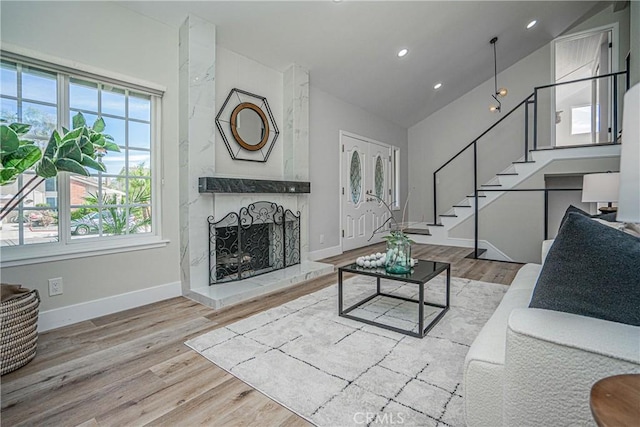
9, 140
99, 125
78, 121
24, 157
65, 130
52, 144
20, 128
91, 163
46, 168
108, 137
110, 146
8, 175
74, 134
69, 150
69, 165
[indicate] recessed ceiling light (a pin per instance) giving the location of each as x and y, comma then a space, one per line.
403, 52
337, 1
437, 86
531, 24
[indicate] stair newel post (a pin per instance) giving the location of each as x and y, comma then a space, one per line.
475, 193
435, 199
535, 118
615, 110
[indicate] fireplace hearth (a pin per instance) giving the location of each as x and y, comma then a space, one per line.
260, 238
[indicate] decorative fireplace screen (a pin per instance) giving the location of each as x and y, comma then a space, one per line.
262, 237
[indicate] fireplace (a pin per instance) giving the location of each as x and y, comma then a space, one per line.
260, 238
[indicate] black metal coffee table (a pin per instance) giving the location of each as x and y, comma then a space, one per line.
423, 272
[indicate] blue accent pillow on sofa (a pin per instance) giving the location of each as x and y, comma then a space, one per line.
610, 217
591, 270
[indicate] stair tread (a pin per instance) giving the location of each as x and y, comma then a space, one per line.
528, 161
507, 173
491, 185
473, 197
435, 225
461, 206
449, 215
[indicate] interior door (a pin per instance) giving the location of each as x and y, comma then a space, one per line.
354, 203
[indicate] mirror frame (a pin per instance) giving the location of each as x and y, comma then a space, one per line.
239, 149
234, 126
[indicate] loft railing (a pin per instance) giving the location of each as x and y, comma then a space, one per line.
529, 132
535, 99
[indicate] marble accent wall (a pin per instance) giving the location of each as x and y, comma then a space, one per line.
196, 55
296, 142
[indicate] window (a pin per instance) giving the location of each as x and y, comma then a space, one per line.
65, 211
581, 119
395, 178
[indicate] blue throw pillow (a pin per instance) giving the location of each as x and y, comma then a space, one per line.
609, 217
591, 270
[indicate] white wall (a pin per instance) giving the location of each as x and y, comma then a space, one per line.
437, 138
522, 214
635, 42
236, 71
112, 38
328, 116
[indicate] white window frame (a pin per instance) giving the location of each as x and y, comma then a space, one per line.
67, 248
395, 178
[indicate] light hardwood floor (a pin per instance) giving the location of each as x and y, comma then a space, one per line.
132, 367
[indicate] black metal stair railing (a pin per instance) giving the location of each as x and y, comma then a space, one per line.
525, 103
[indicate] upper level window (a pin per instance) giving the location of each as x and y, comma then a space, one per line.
70, 209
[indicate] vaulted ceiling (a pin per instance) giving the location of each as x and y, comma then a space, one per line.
350, 47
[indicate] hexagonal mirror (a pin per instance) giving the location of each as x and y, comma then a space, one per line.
247, 126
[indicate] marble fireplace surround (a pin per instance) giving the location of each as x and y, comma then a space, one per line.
224, 294
197, 159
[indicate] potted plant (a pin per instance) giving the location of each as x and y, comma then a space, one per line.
398, 256
72, 151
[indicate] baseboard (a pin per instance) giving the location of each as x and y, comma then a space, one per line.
325, 253
64, 316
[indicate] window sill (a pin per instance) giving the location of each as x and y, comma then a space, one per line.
42, 254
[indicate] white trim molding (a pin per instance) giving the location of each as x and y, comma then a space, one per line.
325, 253
64, 316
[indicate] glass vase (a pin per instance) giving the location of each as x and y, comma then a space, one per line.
398, 258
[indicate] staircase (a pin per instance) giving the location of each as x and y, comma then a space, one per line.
510, 180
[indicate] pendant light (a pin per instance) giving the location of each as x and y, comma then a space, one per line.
502, 92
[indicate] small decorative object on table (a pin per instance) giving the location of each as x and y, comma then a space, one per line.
398, 259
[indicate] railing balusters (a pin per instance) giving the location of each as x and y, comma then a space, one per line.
526, 103
475, 193
615, 110
526, 131
535, 118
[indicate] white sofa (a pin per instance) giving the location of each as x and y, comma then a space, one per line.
534, 367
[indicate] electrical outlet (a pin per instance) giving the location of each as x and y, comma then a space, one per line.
321, 238
55, 286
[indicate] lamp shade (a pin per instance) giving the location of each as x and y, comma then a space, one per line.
600, 187
629, 198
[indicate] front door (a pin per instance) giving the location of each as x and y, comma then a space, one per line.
365, 173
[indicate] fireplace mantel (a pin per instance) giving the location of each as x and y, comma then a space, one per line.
240, 185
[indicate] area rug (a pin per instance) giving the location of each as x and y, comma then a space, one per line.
334, 371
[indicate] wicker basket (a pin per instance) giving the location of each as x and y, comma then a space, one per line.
18, 331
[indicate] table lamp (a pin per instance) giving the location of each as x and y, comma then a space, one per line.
601, 188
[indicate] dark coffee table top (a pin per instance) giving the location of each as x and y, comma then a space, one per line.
421, 273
